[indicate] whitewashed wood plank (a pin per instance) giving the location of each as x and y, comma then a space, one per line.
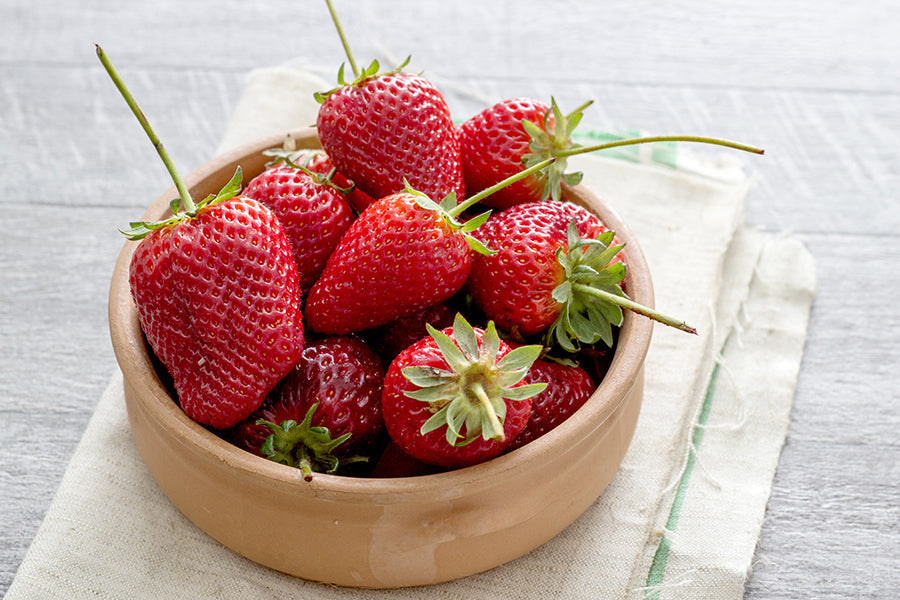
760, 44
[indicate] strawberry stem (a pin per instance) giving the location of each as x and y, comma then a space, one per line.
305, 464
472, 200
485, 401
340, 31
662, 138
635, 307
187, 203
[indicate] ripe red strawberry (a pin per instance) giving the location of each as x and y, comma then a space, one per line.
518, 286
568, 388
556, 271
217, 295
218, 299
327, 409
383, 128
396, 336
394, 462
314, 213
403, 254
502, 139
456, 398
319, 162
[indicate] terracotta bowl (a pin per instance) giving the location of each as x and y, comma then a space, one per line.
379, 533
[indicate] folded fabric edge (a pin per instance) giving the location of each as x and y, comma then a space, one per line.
274, 99
781, 255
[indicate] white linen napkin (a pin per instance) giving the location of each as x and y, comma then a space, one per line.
680, 519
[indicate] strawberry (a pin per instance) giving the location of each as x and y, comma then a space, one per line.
501, 139
399, 334
394, 462
568, 388
218, 299
217, 294
317, 161
402, 255
515, 287
325, 410
314, 213
557, 270
456, 398
383, 128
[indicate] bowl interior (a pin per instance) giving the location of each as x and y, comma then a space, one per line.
146, 393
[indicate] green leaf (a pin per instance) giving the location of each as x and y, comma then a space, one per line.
476, 246
583, 329
426, 377
449, 350
520, 358
573, 178
434, 422
582, 271
465, 337
572, 123
559, 331
563, 292
233, 187
476, 222
435, 395
490, 342
456, 417
612, 313
449, 202
532, 129
523, 392
427, 203
572, 236
486, 427
602, 326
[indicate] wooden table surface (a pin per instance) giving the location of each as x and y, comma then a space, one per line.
817, 83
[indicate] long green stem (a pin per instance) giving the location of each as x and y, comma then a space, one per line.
662, 138
340, 31
187, 203
472, 200
635, 307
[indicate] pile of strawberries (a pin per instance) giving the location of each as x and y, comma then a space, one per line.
416, 296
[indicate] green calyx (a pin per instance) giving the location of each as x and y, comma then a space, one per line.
447, 210
290, 156
359, 76
373, 70
590, 295
184, 206
450, 210
550, 141
303, 446
469, 397
140, 229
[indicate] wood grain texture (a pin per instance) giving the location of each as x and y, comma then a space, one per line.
816, 83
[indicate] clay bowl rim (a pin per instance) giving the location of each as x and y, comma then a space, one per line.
138, 370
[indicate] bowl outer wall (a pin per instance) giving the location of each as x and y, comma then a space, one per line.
379, 533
